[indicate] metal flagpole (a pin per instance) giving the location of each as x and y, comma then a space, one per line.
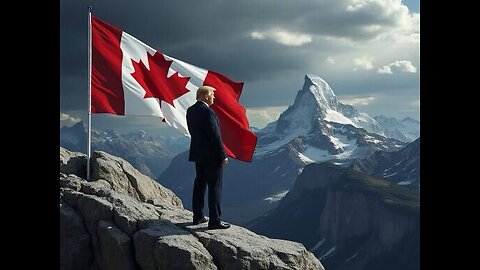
89, 136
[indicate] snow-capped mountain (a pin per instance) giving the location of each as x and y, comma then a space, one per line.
406, 130
323, 129
145, 153
317, 127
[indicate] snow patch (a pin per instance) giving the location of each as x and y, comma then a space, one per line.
276, 197
334, 116
404, 183
337, 142
315, 154
277, 144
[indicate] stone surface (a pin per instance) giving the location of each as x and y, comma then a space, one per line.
121, 219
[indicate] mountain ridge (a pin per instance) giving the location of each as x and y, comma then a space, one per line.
348, 219
147, 153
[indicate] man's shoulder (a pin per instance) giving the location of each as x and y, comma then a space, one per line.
198, 108
193, 106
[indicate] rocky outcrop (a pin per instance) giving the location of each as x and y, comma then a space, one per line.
73, 162
121, 219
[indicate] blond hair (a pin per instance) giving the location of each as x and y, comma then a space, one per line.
204, 90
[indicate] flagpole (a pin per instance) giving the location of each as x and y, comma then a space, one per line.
89, 136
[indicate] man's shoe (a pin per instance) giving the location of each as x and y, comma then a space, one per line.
221, 225
198, 221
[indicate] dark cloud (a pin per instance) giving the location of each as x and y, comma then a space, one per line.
216, 35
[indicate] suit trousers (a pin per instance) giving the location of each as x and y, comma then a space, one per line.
210, 174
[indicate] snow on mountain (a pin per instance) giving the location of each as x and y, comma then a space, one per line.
147, 154
317, 127
406, 130
401, 167
323, 128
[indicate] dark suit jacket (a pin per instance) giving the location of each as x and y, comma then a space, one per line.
206, 145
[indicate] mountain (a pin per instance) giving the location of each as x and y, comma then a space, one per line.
254, 129
146, 153
122, 219
176, 145
401, 167
406, 130
321, 128
317, 127
349, 220
74, 138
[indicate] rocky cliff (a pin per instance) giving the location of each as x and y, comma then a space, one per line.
349, 220
122, 219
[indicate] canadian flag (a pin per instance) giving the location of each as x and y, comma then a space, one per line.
131, 78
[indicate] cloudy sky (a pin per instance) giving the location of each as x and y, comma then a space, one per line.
367, 50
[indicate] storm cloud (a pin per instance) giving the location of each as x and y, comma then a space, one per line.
269, 45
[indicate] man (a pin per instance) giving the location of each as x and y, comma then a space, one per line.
206, 150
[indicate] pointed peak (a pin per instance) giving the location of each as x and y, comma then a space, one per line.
79, 123
322, 92
315, 79
77, 126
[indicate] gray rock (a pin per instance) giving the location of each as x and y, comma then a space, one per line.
124, 178
98, 187
71, 197
128, 212
94, 209
124, 220
239, 248
116, 248
75, 252
71, 181
73, 163
166, 246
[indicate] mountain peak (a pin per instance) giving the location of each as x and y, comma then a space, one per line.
320, 89
316, 103
75, 127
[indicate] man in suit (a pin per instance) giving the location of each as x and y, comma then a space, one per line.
206, 150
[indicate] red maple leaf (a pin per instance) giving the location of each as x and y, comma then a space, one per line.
155, 81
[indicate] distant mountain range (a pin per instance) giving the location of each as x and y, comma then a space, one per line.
147, 154
316, 128
406, 130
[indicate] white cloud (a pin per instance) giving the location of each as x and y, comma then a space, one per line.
257, 35
283, 37
331, 60
399, 65
260, 117
363, 62
386, 18
357, 101
406, 32
385, 70
68, 119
